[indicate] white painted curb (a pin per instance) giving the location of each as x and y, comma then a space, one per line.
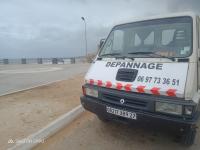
32, 87
49, 130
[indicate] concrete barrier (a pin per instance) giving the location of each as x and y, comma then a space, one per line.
54, 61
39, 60
72, 60
23, 60
5, 61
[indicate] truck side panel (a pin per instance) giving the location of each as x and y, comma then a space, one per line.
198, 26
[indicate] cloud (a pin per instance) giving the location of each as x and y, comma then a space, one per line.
47, 28
186, 5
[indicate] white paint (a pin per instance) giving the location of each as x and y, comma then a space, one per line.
173, 70
30, 70
49, 130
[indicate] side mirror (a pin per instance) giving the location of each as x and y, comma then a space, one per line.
102, 41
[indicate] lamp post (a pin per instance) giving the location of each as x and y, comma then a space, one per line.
85, 35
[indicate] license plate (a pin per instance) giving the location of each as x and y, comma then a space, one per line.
122, 113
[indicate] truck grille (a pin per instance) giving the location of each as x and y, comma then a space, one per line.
128, 102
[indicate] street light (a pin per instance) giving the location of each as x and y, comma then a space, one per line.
85, 36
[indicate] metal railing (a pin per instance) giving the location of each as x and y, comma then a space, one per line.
71, 60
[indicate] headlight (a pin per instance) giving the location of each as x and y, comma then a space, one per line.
91, 92
169, 108
188, 110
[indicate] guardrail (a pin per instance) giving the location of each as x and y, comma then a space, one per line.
71, 60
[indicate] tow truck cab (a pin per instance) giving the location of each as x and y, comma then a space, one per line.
148, 69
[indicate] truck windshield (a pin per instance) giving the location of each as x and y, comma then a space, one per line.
169, 37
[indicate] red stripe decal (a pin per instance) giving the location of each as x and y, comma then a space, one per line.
119, 86
99, 83
140, 89
91, 81
155, 91
108, 84
171, 92
128, 87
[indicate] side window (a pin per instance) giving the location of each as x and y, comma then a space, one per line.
108, 45
137, 40
114, 42
118, 40
167, 36
149, 39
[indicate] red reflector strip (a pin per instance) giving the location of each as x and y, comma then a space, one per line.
99, 83
119, 86
140, 89
171, 92
155, 91
91, 81
108, 84
127, 87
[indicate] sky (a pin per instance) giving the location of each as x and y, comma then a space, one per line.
53, 28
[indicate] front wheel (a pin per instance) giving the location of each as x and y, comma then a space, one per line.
189, 136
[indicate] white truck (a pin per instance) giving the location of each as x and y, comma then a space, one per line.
149, 70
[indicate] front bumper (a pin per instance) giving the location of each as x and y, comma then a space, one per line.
98, 106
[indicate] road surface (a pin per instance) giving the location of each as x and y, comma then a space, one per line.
88, 133
17, 77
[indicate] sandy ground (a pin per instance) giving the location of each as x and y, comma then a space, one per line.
89, 133
24, 113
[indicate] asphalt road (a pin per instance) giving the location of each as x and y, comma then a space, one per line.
17, 77
89, 133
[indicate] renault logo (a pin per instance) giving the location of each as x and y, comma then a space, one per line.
122, 101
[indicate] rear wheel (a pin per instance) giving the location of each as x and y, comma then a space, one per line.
188, 137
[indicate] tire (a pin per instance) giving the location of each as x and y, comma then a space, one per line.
103, 119
189, 136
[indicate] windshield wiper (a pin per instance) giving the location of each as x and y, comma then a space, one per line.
110, 54
117, 56
149, 53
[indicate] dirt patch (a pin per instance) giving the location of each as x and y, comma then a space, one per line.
24, 113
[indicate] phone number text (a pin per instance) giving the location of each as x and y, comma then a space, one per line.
158, 80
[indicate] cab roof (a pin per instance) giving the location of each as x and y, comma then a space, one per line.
169, 15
